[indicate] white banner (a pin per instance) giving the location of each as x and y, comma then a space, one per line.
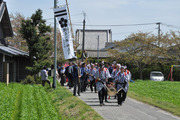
67, 41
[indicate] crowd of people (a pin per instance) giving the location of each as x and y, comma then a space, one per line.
98, 77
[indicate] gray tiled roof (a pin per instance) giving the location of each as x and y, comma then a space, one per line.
91, 38
109, 45
102, 54
5, 20
12, 51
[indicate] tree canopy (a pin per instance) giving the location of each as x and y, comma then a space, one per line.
141, 49
37, 36
17, 41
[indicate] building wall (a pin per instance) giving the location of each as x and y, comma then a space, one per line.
21, 63
9, 61
17, 68
91, 38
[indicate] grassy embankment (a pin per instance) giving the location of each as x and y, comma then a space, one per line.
25, 102
71, 107
165, 95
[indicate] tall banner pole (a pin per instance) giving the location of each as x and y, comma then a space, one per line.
84, 22
55, 48
62, 18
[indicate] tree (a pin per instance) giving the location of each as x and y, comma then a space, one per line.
140, 49
17, 41
60, 55
37, 35
174, 47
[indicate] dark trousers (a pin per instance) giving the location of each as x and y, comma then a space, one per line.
44, 81
62, 79
92, 83
101, 95
121, 96
124, 96
70, 78
105, 94
85, 84
82, 85
76, 83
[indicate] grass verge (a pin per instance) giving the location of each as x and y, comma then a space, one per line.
71, 107
165, 95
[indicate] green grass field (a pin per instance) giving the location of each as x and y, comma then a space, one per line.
25, 102
165, 95
34, 102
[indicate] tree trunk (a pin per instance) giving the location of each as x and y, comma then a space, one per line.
140, 71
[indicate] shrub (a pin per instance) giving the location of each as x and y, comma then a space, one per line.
29, 80
38, 80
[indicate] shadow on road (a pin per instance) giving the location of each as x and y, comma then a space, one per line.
105, 105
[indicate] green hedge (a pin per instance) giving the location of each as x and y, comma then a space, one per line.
164, 68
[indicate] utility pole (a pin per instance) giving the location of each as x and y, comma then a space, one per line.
159, 32
98, 49
83, 36
55, 48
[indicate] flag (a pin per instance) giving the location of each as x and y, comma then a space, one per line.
67, 41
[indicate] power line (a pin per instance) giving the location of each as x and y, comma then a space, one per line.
76, 14
172, 26
118, 25
151, 30
89, 21
49, 19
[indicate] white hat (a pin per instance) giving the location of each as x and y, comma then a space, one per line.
119, 65
122, 67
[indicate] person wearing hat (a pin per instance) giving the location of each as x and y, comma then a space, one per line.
86, 83
102, 75
96, 65
109, 67
76, 78
121, 81
110, 71
83, 77
115, 71
114, 74
92, 72
128, 74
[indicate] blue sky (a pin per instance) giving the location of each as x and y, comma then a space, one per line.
109, 12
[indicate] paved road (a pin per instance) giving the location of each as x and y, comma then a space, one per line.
130, 110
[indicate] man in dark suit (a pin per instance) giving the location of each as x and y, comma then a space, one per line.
76, 78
